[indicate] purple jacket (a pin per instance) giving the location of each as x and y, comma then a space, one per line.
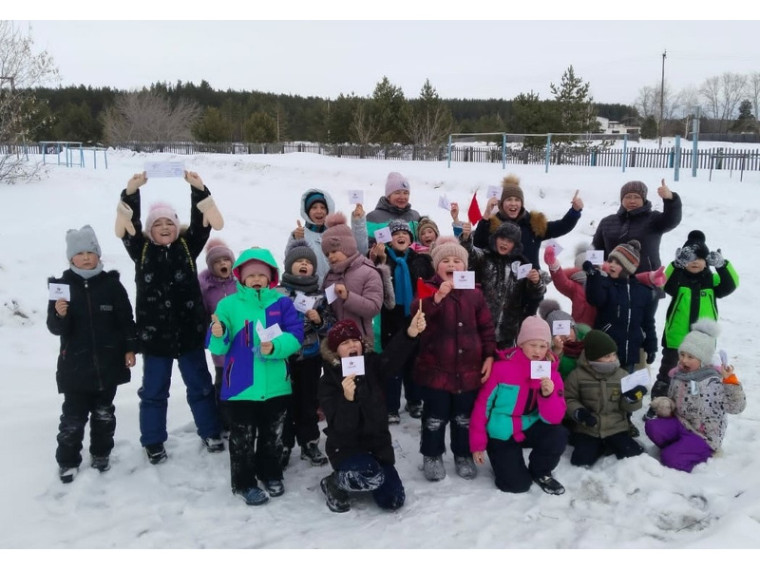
213, 290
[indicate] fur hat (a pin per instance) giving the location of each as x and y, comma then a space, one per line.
510, 231
598, 343
338, 236
701, 341
395, 181
445, 247
342, 331
628, 255
550, 311
400, 226
216, 249
696, 242
634, 187
312, 197
510, 188
81, 240
254, 267
160, 210
534, 328
299, 249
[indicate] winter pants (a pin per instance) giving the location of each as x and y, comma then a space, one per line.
440, 408
547, 441
250, 459
302, 423
77, 408
362, 472
412, 392
221, 408
589, 448
154, 395
680, 448
668, 362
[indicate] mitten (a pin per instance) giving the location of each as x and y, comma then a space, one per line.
657, 278
715, 258
663, 406
588, 267
123, 220
551, 258
635, 394
650, 357
583, 416
684, 255
660, 388
211, 214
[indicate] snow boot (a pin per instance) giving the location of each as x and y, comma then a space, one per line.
102, 464
67, 474
311, 452
156, 453
214, 444
254, 496
275, 488
337, 499
393, 419
415, 410
465, 467
433, 468
549, 485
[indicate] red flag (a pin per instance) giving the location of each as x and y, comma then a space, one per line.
473, 212
424, 290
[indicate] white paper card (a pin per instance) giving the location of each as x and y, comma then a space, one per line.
356, 196
523, 270
595, 256
638, 378
494, 192
59, 291
383, 235
330, 294
269, 333
540, 369
464, 280
164, 169
352, 365
304, 302
723, 357
555, 244
561, 328
443, 202
515, 267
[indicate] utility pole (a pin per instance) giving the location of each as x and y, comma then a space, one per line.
662, 99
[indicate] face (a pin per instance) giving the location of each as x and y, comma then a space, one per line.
85, 260
162, 231
448, 265
504, 246
399, 198
511, 206
350, 347
400, 241
611, 357
427, 237
302, 267
222, 267
688, 362
535, 349
256, 281
318, 213
568, 337
614, 268
336, 257
696, 266
632, 201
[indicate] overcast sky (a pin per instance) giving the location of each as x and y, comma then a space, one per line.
462, 59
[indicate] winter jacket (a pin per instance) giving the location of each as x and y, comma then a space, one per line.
534, 228
213, 290
171, 318
702, 401
384, 212
642, 224
249, 374
312, 333
458, 338
601, 395
625, 311
581, 310
510, 402
361, 425
694, 297
96, 333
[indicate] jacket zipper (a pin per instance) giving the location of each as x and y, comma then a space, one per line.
92, 332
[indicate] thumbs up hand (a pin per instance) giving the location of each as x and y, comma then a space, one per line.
217, 328
298, 233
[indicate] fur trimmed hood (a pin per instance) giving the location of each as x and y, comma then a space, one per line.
536, 220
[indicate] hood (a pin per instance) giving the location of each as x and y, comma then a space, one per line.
258, 254
328, 199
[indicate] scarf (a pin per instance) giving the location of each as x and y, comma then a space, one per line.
340, 267
305, 283
402, 280
311, 226
572, 348
88, 273
604, 368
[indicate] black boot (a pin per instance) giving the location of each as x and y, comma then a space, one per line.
337, 499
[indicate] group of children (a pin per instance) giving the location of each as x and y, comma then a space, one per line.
289, 346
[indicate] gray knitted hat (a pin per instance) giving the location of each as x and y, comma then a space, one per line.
701, 341
81, 240
550, 311
299, 249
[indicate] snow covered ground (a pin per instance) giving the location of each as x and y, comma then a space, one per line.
186, 502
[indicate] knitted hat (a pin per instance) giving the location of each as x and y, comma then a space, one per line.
550, 311
299, 249
162, 210
534, 328
81, 240
634, 187
580, 254
338, 236
254, 267
312, 198
426, 223
445, 247
400, 226
696, 242
216, 249
395, 181
510, 231
628, 255
597, 344
700, 342
342, 331
511, 188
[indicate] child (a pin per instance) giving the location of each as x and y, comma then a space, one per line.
256, 386
595, 404
98, 344
171, 319
567, 348
427, 231
514, 411
358, 439
454, 359
691, 421
406, 266
393, 206
217, 282
694, 289
302, 422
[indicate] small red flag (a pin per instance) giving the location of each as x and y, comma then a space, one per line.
424, 290
473, 213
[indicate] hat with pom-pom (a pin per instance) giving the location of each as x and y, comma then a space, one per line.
550, 311
338, 236
396, 181
696, 242
534, 328
216, 249
299, 249
160, 210
342, 331
701, 341
510, 188
448, 246
628, 255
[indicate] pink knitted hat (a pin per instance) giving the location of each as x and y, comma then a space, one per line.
338, 236
534, 328
396, 181
160, 210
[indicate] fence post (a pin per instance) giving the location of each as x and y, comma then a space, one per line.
548, 151
677, 158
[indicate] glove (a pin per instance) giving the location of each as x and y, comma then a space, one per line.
683, 256
211, 214
123, 220
583, 416
588, 267
551, 258
635, 394
715, 258
657, 278
663, 406
650, 357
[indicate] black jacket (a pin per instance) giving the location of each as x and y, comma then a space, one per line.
96, 333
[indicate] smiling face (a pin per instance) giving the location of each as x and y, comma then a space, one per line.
350, 347
427, 237
85, 260
162, 231
511, 206
631, 201
688, 362
696, 266
399, 198
535, 349
504, 246
400, 241
222, 267
318, 213
256, 281
302, 267
448, 265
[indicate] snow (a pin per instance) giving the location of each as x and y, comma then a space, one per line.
186, 502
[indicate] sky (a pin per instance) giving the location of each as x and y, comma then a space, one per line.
186, 503
494, 55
